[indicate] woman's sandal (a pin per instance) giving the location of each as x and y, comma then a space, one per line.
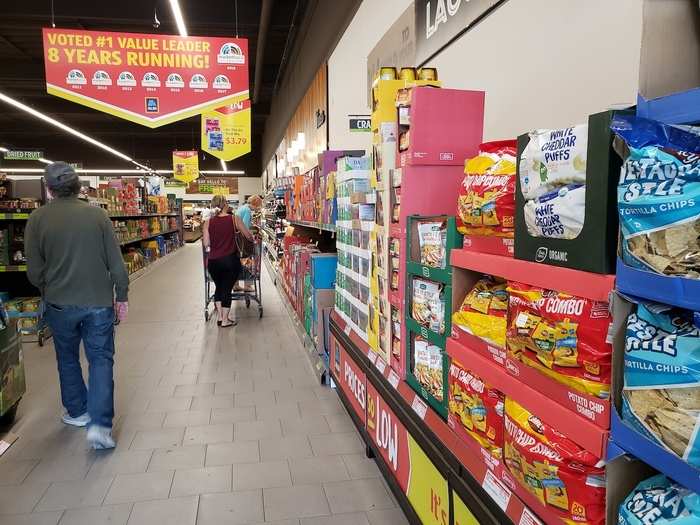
232, 323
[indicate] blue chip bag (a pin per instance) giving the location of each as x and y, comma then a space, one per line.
658, 196
660, 501
661, 394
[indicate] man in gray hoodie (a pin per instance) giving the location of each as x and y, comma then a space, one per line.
74, 259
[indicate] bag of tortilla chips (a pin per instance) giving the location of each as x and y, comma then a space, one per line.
661, 396
658, 196
486, 202
660, 501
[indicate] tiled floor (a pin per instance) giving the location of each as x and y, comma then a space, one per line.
213, 426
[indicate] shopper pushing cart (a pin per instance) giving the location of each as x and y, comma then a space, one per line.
222, 257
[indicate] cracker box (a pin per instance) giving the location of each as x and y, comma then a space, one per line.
565, 198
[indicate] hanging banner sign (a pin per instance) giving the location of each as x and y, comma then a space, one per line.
23, 155
186, 165
214, 186
152, 80
226, 131
174, 183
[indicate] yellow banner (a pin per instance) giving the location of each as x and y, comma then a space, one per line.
463, 516
226, 131
186, 166
427, 488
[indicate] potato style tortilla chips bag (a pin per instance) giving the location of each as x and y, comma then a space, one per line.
484, 310
486, 202
562, 336
566, 478
658, 196
478, 408
660, 501
661, 394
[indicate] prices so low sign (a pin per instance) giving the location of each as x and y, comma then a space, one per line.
148, 79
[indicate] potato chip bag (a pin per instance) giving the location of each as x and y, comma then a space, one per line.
477, 407
661, 394
427, 366
566, 478
561, 335
483, 311
432, 238
553, 158
660, 501
658, 196
428, 305
486, 202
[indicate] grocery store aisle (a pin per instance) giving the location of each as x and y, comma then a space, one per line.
213, 426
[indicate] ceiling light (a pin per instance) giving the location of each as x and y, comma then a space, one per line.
67, 129
3, 149
301, 140
223, 165
45, 161
179, 20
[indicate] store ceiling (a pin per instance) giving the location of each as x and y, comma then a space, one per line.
22, 76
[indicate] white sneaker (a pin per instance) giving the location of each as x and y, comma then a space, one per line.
80, 421
100, 437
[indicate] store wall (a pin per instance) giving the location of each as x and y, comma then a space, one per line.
347, 66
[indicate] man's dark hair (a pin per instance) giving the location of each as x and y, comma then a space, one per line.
68, 189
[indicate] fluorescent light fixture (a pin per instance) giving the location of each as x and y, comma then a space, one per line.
45, 161
42, 116
179, 20
223, 165
3, 149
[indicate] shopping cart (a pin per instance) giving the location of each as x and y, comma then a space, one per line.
251, 260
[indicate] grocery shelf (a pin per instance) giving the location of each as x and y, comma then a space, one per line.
395, 230
441, 275
14, 268
141, 215
666, 289
132, 241
14, 216
583, 431
677, 108
657, 456
146, 269
314, 225
473, 465
589, 285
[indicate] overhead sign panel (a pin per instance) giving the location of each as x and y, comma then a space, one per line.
185, 166
226, 131
152, 80
23, 155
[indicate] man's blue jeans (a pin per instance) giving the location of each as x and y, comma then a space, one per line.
95, 327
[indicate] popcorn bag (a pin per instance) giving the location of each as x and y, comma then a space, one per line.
567, 479
659, 197
661, 393
476, 408
486, 201
562, 336
565, 206
484, 310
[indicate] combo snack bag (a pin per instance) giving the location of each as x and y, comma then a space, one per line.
486, 202
561, 335
428, 305
567, 479
477, 407
660, 501
658, 196
432, 237
661, 395
484, 310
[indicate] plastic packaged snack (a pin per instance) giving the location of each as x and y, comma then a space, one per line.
559, 214
660, 501
478, 408
486, 202
658, 196
427, 366
564, 477
562, 336
484, 310
661, 394
432, 238
428, 305
553, 158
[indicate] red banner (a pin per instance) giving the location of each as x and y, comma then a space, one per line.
149, 79
353, 383
390, 437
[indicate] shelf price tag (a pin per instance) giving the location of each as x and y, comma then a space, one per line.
380, 364
498, 492
528, 518
419, 407
393, 379
347, 330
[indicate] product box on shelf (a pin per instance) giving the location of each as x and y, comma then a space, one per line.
565, 199
11, 364
444, 126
